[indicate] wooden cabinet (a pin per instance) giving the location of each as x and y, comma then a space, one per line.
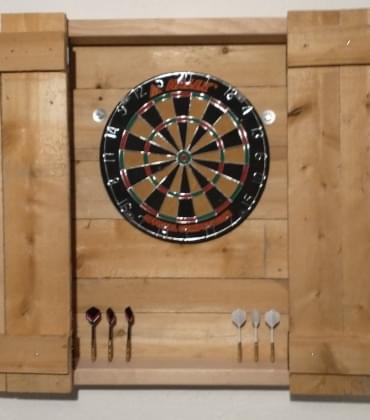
65, 248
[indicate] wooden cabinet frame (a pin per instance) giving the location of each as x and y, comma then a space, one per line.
56, 259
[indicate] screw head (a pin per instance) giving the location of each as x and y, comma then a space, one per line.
268, 116
99, 115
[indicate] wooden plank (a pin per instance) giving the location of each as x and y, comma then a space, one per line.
183, 340
37, 204
183, 295
124, 252
330, 355
315, 223
2, 279
32, 51
240, 65
355, 181
177, 31
33, 22
2, 382
27, 354
209, 377
39, 383
328, 38
329, 385
93, 202
276, 252
87, 132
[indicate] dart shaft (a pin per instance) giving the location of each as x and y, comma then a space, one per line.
240, 352
93, 344
128, 344
110, 344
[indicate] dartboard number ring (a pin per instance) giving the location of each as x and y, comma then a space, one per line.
184, 157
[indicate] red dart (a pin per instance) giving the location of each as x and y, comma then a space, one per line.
93, 316
130, 321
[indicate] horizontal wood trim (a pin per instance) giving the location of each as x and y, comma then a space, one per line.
329, 385
35, 51
335, 37
183, 295
184, 340
324, 47
39, 383
86, 374
34, 354
177, 31
240, 65
123, 252
330, 355
33, 22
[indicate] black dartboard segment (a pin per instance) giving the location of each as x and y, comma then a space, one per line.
184, 157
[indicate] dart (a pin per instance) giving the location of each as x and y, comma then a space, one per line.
239, 318
112, 321
93, 316
130, 322
256, 320
272, 319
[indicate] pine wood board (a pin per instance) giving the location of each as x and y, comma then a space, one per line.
2, 276
184, 340
92, 201
329, 385
346, 355
36, 204
36, 51
86, 374
240, 65
33, 22
87, 132
38, 354
276, 249
39, 383
185, 295
124, 252
177, 31
328, 38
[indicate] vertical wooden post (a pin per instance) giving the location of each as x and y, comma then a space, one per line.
329, 202
35, 244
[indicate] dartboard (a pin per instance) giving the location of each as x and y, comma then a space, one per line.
184, 157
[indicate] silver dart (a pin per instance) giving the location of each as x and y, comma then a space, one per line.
272, 319
239, 318
256, 320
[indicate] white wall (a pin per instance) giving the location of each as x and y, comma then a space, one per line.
178, 404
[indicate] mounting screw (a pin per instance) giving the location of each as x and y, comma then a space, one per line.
268, 116
99, 115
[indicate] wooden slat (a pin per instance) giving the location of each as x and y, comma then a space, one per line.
184, 340
86, 374
39, 383
33, 22
183, 295
2, 279
330, 355
2, 382
32, 51
87, 132
40, 354
328, 38
124, 252
315, 222
355, 179
240, 65
177, 31
329, 385
36, 197
276, 252
92, 199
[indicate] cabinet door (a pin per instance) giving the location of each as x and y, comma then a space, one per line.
329, 202
35, 240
